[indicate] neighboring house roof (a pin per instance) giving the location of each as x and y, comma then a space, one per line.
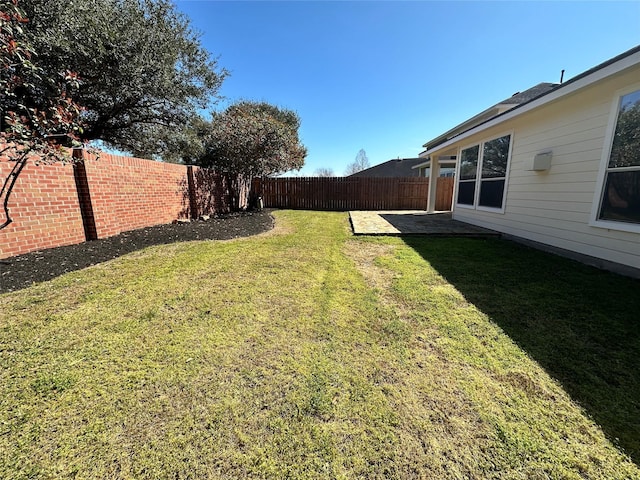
544, 96
399, 167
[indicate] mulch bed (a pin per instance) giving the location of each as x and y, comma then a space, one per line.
23, 270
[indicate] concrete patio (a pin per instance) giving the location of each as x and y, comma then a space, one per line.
413, 222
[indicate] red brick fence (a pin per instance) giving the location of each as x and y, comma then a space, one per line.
63, 204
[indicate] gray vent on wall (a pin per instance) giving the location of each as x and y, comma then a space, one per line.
540, 162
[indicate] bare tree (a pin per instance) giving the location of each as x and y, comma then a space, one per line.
360, 163
324, 172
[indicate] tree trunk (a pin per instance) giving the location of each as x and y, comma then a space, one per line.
240, 189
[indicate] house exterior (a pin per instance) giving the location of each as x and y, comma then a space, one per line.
560, 169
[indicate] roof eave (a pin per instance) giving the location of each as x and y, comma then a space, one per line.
461, 126
604, 70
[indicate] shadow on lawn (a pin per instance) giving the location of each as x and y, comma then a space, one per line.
581, 324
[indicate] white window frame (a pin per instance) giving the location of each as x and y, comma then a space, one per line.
478, 179
604, 166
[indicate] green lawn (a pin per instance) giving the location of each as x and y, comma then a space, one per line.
310, 353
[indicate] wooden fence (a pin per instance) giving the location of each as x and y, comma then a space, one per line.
444, 193
351, 193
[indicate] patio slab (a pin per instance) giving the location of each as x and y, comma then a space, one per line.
413, 222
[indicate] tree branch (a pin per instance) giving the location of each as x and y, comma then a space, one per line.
7, 186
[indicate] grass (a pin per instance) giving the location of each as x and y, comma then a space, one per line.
309, 353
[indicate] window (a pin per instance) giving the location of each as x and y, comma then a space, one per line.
620, 200
468, 173
482, 178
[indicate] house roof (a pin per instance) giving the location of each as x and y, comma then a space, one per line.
537, 96
491, 112
400, 167
530, 94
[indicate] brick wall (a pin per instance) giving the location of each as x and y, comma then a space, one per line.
117, 194
129, 193
44, 207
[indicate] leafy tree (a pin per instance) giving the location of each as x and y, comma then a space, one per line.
360, 163
186, 145
252, 139
324, 172
39, 115
144, 74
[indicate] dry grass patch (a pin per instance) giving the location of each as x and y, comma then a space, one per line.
365, 255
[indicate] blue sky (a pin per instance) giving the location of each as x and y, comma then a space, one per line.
388, 76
